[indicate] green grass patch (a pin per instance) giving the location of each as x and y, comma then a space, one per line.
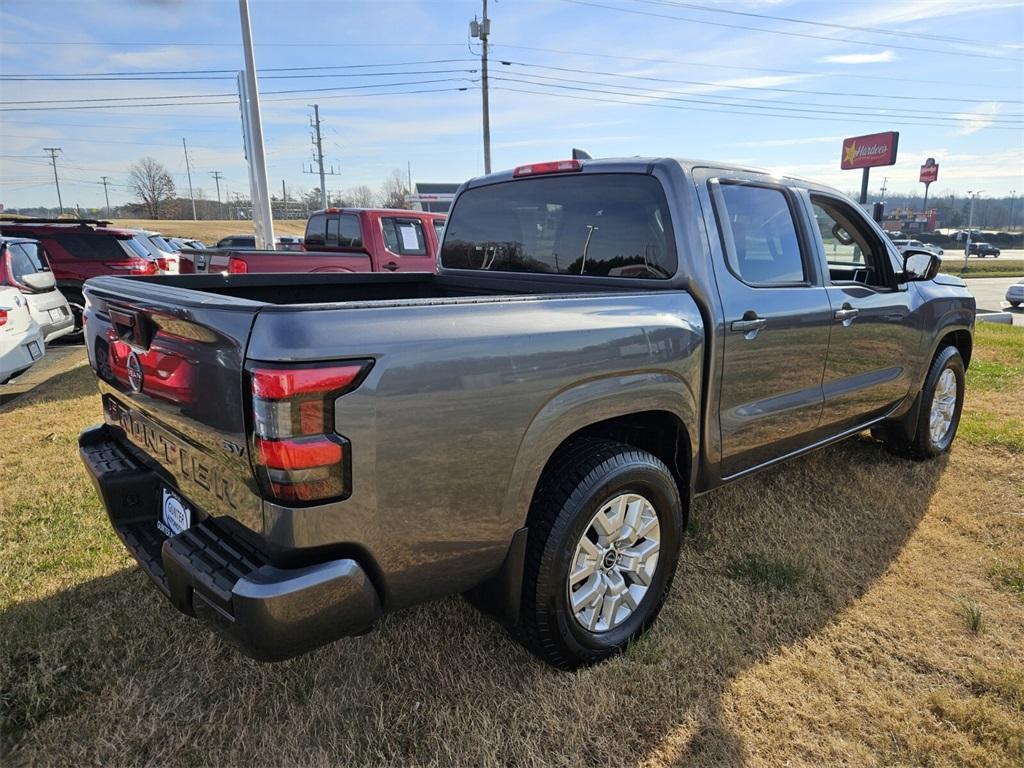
972, 614
1008, 577
1004, 342
990, 376
768, 574
953, 265
984, 428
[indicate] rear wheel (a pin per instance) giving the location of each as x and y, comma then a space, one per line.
603, 543
942, 399
1014, 304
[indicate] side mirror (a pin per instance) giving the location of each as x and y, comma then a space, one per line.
920, 265
40, 281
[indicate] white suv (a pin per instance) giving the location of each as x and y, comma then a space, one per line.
23, 267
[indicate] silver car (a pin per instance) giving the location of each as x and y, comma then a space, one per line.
1015, 294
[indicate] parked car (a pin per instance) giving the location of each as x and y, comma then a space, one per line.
165, 254
23, 266
21, 338
78, 249
339, 240
1015, 294
185, 243
289, 243
601, 341
902, 245
981, 250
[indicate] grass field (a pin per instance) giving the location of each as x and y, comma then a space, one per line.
984, 267
209, 231
848, 608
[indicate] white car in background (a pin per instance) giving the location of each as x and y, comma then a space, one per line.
23, 266
166, 256
1015, 294
21, 338
902, 245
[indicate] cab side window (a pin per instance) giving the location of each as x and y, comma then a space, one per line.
761, 238
854, 253
316, 230
404, 236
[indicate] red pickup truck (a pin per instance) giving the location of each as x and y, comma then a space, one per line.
339, 240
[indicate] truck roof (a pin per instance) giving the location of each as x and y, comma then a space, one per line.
384, 211
646, 164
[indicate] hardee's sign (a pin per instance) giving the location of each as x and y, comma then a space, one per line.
871, 150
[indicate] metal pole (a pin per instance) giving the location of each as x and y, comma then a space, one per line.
216, 177
320, 156
53, 159
970, 223
1009, 224
924, 207
484, 31
263, 219
864, 187
188, 172
106, 195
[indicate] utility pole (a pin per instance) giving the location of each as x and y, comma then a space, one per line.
318, 156
53, 159
1009, 224
217, 177
970, 223
263, 219
482, 29
284, 200
188, 172
106, 196
408, 170
885, 183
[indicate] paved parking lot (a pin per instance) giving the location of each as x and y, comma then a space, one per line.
990, 293
59, 359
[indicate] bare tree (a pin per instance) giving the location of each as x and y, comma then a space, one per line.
361, 197
153, 185
394, 190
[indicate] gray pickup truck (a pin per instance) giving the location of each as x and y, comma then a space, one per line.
291, 456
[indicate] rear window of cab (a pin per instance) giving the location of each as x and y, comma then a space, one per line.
598, 225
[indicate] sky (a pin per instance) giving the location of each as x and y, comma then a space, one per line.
771, 83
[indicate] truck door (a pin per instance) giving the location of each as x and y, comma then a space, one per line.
776, 323
873, 345
405, 245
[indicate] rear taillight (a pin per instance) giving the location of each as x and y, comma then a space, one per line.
237, 266
298, 455
3, 317
540, 169
163, 264
145, 267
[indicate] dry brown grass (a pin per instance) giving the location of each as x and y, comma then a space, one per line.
209, 231
816, 620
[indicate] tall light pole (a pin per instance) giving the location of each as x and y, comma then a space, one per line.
188, 172
263, 219
53, 159
482, 29
1009, 224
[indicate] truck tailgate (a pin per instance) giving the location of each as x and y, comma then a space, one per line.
170, 365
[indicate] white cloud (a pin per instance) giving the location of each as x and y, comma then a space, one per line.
155, 58
978, 119
860, 58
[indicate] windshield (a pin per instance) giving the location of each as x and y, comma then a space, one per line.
602, 225
161, 244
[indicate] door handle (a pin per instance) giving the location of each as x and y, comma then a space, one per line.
749, 325
391, 266
846, 314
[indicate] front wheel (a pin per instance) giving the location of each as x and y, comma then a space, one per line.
604, 533
942, 399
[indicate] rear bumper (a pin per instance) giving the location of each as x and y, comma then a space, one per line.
208, 571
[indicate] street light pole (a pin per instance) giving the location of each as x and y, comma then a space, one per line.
970, 224
262, 216
1009, 224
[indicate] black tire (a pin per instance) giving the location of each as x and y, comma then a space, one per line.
922, 446
583, 477
1014, 304
77, 303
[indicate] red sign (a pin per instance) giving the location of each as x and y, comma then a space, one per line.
929, 171
871, 150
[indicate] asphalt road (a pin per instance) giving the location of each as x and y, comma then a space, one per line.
990, 293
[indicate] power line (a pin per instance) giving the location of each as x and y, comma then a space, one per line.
844, 94
181, 44
805, 35
660, 103
178, 78
828, 25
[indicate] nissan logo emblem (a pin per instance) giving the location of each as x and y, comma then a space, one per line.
134, 372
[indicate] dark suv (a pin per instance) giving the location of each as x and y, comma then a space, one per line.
78, 249
981, 250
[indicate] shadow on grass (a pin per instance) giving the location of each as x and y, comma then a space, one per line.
108, 672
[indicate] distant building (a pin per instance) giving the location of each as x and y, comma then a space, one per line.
910, 222
432, 198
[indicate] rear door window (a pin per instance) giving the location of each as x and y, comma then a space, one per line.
316, 229
26, 259
438, 228
601, 225
90, 246
404, 236
762, 245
